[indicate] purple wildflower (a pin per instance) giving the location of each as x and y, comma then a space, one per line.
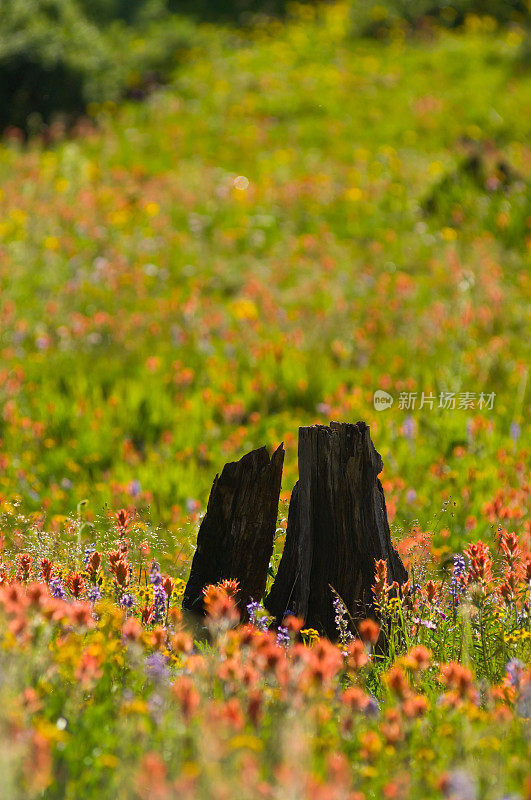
456, 587
372, 709
94, 594
57, 589
154, 574
515, 670
89, 549
283, 636
461, 784
127, 601
156, 668
341, 621
257, 617
134, 488
409, 428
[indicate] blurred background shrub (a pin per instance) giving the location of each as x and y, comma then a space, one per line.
58, 56
379, 17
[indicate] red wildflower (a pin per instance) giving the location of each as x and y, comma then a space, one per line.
187, 695
38, 764
76, 584
254, 706
152, 778
232, 714
293, 623
46, 569
158, 637
220, 606
123, 521
80, 613
419, 658
14, 598
369, 630
122, 574
355, 698
479, 570
94, 565
380, 588
36, 593
168, 585
230, 586
182, 642
88, 669
357, 655
396, 680
415, 706
509, 545
458, 679
24, 562
145, 549
131, 630
431, 591
391, 727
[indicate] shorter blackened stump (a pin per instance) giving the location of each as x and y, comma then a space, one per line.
235, 539
337, 529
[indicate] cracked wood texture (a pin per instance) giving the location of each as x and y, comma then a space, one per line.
337, 528
235, 539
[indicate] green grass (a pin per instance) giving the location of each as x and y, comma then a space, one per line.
157, 321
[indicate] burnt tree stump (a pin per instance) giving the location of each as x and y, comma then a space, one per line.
235, 539
337, 528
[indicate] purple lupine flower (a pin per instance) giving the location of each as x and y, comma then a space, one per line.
155, 576
94, 594
515, 670
458, 569
461, 784
372, 709
256, 615
134, 488
409, 428
156, 668
515, 431
89, 549
341, 621
523, 703
127, 601
159, 603
283, 636
57, 589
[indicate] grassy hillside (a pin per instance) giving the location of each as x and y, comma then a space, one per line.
301, 219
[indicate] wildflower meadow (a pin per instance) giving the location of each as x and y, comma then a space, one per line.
319, 215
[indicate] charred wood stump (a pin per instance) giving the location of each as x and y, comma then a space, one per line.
235, 539
337, 528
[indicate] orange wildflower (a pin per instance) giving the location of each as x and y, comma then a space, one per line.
369, 630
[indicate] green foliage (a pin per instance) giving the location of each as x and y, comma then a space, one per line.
377, 18
56, 59
240, 11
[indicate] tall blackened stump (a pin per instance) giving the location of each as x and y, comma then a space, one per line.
235, 539
337, 529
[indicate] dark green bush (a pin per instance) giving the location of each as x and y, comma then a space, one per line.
240, 11
57, 56
378, 17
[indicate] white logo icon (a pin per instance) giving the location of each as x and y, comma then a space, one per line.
382, 400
